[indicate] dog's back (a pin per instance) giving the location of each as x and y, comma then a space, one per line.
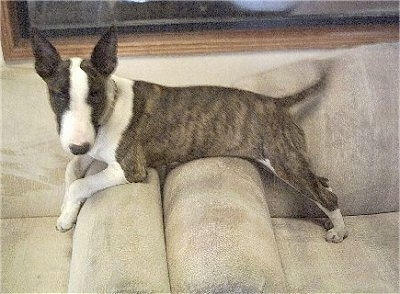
181, 124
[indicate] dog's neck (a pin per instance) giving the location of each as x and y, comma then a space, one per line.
112, 97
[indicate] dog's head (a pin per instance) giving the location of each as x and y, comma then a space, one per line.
79, 89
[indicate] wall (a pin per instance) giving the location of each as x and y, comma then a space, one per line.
212, 69
1, 56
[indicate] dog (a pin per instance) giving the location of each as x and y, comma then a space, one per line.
134, 125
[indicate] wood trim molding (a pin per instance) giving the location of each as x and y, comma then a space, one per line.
15, 48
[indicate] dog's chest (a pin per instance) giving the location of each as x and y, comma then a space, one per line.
110, 134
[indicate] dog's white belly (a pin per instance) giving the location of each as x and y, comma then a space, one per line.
110, 134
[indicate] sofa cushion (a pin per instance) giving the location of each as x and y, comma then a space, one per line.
32, 160
119, 241
351, 128
218, 231
285, 80
366, 262
34, 256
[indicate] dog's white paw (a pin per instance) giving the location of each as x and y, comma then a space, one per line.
64, 225
68, 216
336, 235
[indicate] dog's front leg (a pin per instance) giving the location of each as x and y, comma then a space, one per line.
76, 169
81, 189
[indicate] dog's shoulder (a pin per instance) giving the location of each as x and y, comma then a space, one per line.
147, 89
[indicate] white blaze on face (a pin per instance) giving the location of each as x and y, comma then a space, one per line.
76, 123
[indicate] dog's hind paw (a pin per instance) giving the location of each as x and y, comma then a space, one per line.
336, 236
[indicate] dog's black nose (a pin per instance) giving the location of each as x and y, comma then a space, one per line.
79, 149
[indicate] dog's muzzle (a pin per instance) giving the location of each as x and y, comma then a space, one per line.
79, 149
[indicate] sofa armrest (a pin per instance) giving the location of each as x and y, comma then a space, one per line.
218, 230
118, 241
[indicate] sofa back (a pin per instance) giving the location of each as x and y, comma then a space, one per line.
351, 128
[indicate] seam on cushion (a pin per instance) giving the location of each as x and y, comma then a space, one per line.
28, 217
279, 256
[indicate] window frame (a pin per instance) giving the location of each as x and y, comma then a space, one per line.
202, 42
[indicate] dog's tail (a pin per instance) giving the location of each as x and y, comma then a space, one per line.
315, 88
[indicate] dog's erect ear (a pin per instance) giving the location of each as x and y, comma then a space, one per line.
46, 56
104, 55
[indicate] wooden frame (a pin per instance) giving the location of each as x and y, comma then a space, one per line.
15, 48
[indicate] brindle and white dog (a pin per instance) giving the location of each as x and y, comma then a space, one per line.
133, 125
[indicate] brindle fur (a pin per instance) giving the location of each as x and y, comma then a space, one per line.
181, 124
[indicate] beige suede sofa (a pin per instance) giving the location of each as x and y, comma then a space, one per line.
217, 225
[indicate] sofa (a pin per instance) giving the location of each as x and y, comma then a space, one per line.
215, 225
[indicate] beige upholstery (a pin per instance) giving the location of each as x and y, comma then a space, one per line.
32, 160
218, 231
351, 129
34, 256
366, 262
120, 248
286, 80
219, 236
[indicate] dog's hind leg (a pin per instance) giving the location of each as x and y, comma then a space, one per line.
290, 163
325, 182
286, 156
303, 180
335, 223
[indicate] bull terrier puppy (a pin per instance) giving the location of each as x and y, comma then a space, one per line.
134, 125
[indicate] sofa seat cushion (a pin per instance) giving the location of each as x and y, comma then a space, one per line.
34, 256
119, 241
366, 262
218, 231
